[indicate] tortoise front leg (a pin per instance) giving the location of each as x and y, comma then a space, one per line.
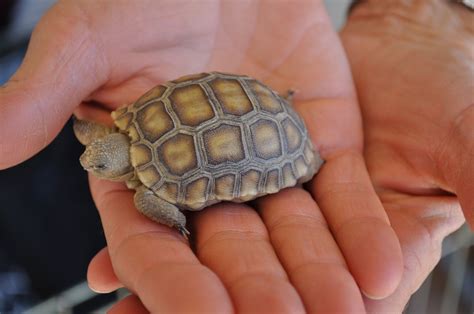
159, 210
87, 131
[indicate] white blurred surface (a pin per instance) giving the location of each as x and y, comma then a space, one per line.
337, 10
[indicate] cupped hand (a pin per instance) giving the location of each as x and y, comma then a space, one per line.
413, 67
296, 253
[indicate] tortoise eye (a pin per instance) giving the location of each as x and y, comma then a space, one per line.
100, 167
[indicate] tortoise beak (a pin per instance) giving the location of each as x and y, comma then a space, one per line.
84, 163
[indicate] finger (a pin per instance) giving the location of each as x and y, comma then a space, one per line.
56, 74
344, 192
359, 224
153, 260
328, 105
129, 304
329, 109
309, 254
421, 224
232, 241
100, 274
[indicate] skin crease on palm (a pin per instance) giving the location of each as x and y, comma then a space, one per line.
314, 255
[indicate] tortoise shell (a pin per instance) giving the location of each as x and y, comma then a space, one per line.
212, 137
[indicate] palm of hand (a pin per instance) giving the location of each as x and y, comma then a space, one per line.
113, 54
228, 36
412, 91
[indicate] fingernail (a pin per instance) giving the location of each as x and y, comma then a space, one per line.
371, 296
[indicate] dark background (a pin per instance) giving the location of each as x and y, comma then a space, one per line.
49, 227
48, 222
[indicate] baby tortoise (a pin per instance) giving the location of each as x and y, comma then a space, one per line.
199, 140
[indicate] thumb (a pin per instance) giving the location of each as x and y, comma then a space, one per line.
59, 70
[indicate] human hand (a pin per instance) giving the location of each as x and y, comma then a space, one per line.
312, 255
412, 64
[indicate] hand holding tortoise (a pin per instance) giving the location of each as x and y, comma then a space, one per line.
314, 255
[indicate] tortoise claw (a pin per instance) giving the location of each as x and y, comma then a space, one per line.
184, 232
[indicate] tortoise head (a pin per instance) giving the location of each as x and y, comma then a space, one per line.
108, 157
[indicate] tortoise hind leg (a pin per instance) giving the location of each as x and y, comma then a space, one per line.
159, 210
87, 131
289, 96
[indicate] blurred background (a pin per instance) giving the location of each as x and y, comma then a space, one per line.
50, 229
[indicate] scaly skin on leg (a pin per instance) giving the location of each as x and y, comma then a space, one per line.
87, 131
159, 210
